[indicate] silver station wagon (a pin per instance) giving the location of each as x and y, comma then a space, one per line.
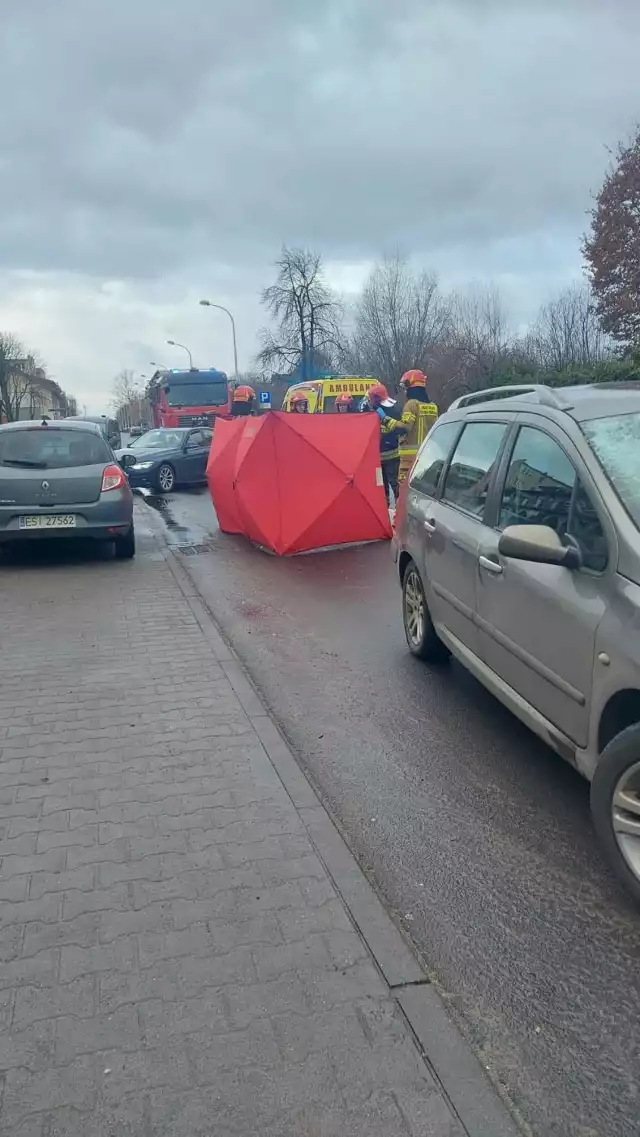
518, 548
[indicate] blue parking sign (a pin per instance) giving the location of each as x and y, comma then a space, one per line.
265, 399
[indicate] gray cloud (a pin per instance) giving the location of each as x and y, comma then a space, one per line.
148, 140
145, 134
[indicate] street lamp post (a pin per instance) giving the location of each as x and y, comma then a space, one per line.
210, 304
174, 343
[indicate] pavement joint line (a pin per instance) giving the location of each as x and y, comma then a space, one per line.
468, 1087
426, 982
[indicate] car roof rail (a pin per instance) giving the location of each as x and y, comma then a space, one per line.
546, 395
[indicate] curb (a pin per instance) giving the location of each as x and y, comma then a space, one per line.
455, 1067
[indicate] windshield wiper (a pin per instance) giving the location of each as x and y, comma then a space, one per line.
24, 462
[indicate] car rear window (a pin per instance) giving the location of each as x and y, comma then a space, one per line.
52, 448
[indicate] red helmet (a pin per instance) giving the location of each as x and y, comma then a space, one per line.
378, 393
413, 379
243, 394
299, 397
344, 400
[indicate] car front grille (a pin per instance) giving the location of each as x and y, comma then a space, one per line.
197, 420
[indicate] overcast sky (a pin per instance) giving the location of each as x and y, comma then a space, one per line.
153, 153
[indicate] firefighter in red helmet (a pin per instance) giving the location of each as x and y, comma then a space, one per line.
345, 403
377, 400
418, 416
300, 403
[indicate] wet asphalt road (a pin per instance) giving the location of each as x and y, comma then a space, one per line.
475, 834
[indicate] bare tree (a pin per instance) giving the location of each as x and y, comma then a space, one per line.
306, 314
124, 388
17, 378
400, 319
568, 332
127, 398
481, 328
479, 344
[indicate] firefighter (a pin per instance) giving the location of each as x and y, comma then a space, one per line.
418, 416
345, 404
377, 399
243, 402
300, 403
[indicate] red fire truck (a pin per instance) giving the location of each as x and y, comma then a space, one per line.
188, 398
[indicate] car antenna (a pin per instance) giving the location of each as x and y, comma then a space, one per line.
45, 421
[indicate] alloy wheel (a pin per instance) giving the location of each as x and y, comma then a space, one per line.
166, 479
414, 608
625, 811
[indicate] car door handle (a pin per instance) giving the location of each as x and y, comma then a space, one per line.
430, 525
489, 565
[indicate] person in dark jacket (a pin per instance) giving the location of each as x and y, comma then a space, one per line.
377, 400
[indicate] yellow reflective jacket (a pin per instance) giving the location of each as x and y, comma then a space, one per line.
418, 418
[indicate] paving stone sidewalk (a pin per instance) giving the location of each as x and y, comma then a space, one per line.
174, 959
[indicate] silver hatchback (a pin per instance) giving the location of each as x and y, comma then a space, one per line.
518, 548
61, 479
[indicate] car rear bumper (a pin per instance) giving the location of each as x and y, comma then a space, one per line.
85, 533
100, 520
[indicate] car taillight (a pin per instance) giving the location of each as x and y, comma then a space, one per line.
113, 478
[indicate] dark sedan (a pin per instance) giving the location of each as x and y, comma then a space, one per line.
170, 456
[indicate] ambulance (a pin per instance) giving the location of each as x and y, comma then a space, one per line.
322, 393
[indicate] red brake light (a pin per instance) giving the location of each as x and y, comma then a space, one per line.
113, 478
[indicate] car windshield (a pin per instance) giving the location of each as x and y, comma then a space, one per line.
49, 447
196, 394
616, 443
158, 440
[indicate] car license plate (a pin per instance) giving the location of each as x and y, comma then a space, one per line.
49, 521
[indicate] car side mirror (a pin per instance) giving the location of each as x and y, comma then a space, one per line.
127, 461
539, 544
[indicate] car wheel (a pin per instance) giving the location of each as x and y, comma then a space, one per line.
421, 635
615, 806
166, 478
125, 546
